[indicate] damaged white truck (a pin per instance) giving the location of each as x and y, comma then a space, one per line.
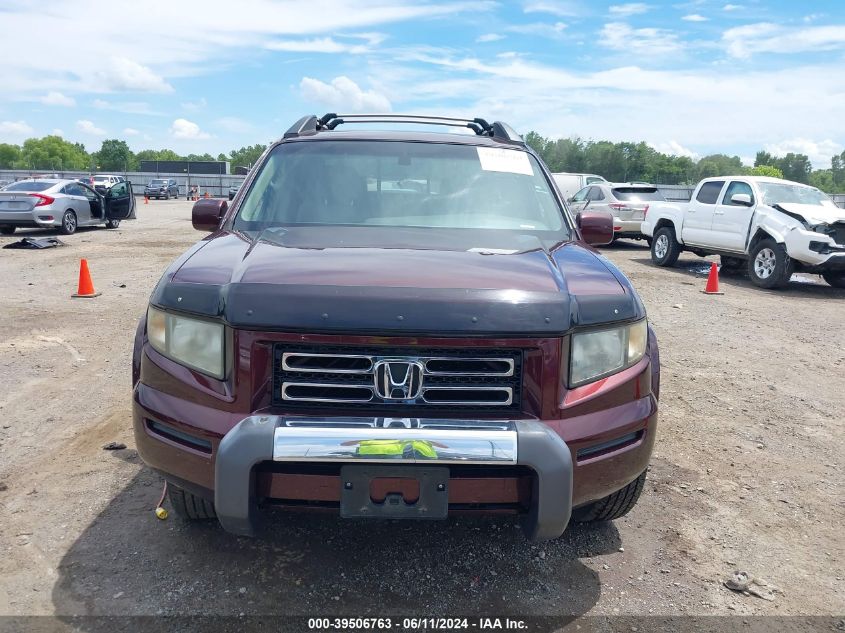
773, 227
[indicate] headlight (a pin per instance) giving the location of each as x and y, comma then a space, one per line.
603, 352
192, 342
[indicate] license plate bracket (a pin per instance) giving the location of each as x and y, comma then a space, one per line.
356, 503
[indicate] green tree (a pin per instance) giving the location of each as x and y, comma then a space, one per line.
115, 155
823, 179
53, 152
158, 154
9, 155
246, 156
766, 170
719, 165
795, 167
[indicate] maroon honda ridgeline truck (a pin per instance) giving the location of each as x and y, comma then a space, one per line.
397, 325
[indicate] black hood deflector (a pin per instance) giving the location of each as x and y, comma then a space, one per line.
352, 309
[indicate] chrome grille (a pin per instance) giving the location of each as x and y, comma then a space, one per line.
424, 378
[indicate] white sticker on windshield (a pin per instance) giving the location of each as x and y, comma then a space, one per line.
511, 161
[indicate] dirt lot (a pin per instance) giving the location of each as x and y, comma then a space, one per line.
747, 472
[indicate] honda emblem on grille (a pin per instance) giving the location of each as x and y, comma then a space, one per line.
398, 379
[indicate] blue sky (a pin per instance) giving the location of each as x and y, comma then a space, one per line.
689, 77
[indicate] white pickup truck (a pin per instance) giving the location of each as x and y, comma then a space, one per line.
774, 227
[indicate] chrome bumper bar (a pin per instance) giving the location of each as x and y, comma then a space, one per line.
395, 440
263, 438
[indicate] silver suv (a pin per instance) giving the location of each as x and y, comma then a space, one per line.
627, 202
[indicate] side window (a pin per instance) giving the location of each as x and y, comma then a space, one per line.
709, 192
85, 191
596, 194
735, 188
118, 190
73, 190
581, 195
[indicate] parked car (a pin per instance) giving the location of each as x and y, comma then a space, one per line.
103, 182
66, 204
569, 184
233, 191
86, 180
771, 226
162, 188
628, 203
433, 348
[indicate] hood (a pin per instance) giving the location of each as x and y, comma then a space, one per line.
370, 279
813, 213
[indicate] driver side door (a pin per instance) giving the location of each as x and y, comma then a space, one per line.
120, 203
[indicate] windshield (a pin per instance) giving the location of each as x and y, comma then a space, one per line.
29, 185
591, 180
783, 193
153, 183
401, 184
637, 193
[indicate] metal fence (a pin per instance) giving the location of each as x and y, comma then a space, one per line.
216, 186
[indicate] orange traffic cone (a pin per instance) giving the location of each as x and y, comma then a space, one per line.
86, 285
712, 287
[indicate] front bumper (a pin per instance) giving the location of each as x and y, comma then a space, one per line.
529, 443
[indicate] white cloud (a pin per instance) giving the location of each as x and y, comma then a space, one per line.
124, 74
645, 41
695, 17
489, 37
127, 107
188, 39
560, 8
325, 45
630, 8
193, 106
673, 148
766, 37
819, 152
732, 7
55, 98
188, 130
15, 128
540, 29
87, 127
57, 132
234, 124
130, 131
343, 94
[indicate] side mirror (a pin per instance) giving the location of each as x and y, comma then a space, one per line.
596, 227
742, 199
570, 199
207, 213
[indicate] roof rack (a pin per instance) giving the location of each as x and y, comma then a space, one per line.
311, 124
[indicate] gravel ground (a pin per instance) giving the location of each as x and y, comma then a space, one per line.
747, 473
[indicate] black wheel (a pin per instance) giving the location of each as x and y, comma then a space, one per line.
112, 224
665, 249
68, 223
6, 229
189, 506
648, 241
613, 506
834, 278
769, 266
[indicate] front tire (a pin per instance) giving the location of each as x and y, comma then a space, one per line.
665, 249
769, 266
112, 224
189, 506
835, 279
613, 506
7, 230
69, 223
